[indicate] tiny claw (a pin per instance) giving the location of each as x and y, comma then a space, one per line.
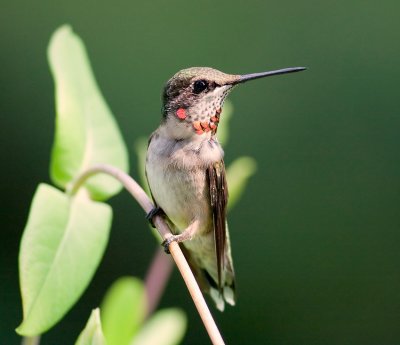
167, 242
156, 211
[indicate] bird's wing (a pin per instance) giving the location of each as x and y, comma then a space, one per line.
218, 200
145, 172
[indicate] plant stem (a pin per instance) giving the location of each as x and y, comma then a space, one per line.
141, 197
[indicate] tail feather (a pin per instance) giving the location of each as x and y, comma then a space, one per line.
227, 295
207, 280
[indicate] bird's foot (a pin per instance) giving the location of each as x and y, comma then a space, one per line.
167, 242
156, 211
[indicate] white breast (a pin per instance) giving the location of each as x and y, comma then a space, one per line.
176, 172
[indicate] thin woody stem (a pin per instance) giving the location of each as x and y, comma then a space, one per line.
141, 197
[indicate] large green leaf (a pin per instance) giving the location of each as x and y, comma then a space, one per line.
86, 132
62, 245
92, 333
123, 310
238, 174
165, 327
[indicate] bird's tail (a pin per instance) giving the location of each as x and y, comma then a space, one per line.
227, 292
207, 277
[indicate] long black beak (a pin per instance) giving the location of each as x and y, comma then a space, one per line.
245, 77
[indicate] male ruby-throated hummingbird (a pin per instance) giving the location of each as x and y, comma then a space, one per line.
186, 174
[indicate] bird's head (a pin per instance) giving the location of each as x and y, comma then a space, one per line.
193, 99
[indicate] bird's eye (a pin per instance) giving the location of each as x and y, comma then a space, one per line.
199, 86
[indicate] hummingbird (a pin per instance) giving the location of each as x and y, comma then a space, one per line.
186, 173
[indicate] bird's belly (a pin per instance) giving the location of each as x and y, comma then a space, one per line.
182, 194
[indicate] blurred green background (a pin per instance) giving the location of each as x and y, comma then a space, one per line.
316, 237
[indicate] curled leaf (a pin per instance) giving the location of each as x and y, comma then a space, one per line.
92, 334
62, 245
86, 132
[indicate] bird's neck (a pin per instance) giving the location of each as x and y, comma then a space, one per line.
193, 150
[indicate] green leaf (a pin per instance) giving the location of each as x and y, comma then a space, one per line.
165, 327
223, 127
62, 245
123, 310
92, 333
237, 175
86, 132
